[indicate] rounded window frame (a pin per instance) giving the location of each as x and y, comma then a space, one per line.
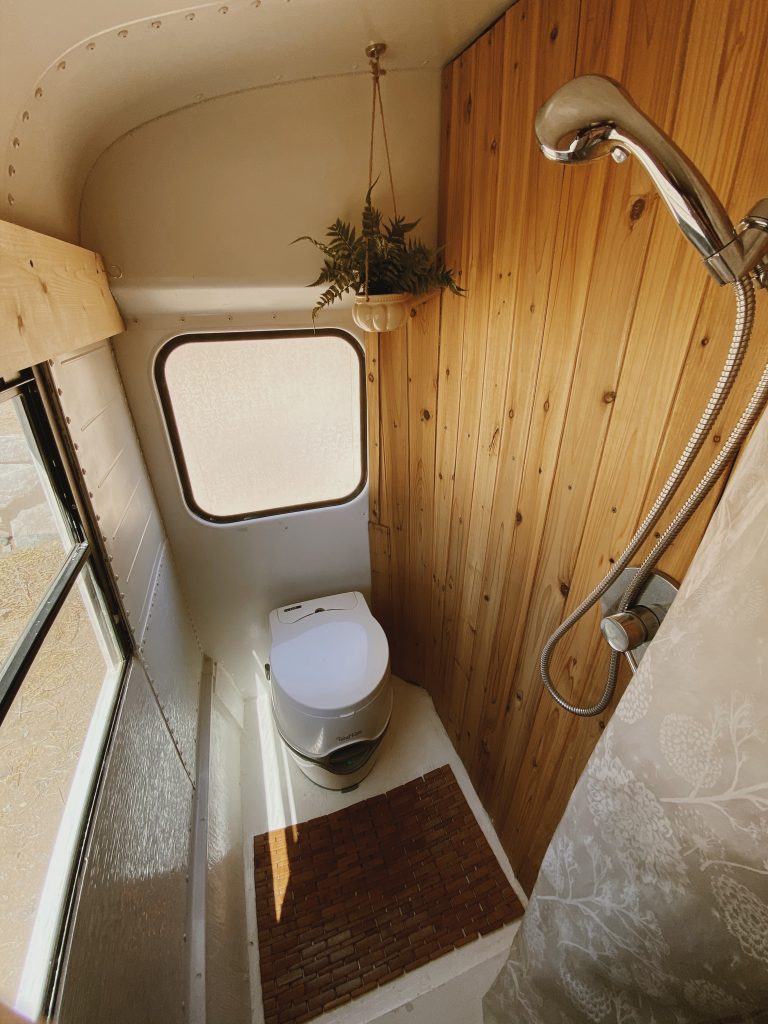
174, 438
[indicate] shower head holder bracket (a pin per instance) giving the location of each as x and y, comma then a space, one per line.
747, 253
629, 632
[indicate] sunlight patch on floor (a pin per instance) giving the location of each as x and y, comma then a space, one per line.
277, 795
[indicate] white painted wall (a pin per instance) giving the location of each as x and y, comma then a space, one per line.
234, 574
198, 210
214, 195
120, 493
227, 975
74, 77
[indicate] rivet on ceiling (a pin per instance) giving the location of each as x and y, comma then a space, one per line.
123, 33
11, 200
224, 10
155, 24
61, 65
25, 116
90, 46
190, 16
38, 92
11, 170
16, 142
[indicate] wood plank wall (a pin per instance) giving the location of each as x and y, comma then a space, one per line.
518, 435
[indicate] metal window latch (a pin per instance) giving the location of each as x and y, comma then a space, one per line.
629, 632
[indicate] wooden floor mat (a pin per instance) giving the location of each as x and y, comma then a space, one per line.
350, 901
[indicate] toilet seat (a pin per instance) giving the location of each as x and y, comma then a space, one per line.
330, 665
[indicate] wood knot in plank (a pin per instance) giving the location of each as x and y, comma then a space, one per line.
637, 209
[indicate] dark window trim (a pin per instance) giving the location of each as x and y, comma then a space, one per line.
20, 659
26, 388
63, 450
173, 433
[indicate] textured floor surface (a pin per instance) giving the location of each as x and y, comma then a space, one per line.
350, 901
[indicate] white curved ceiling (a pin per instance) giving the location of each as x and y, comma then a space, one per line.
76, 76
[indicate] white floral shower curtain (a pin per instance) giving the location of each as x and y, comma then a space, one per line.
652, 902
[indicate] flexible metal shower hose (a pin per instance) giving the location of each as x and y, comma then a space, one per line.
745, 313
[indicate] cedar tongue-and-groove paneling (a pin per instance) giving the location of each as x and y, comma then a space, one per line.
519, 434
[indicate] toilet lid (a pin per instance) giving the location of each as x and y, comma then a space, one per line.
332, 666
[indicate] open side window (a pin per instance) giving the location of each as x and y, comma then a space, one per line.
61, 665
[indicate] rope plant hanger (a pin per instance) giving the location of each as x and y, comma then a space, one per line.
384, 268
373, 53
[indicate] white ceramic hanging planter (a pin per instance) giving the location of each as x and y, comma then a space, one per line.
382, 313
379, 313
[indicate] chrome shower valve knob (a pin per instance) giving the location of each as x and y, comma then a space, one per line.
625, 631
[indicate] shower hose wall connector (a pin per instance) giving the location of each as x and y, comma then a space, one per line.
590, 117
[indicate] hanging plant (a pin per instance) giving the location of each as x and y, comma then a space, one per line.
380, 264
383, 267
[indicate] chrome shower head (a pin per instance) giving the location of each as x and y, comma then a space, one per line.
592, 116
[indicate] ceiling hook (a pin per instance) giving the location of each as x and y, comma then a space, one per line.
375, 50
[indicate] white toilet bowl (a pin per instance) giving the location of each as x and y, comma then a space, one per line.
331, 687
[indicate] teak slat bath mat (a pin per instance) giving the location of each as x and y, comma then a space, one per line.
355, 899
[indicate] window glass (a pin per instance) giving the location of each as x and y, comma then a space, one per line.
60, 669
50, 746
34, 535
265, 423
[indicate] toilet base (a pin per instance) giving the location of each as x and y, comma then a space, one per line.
327, 779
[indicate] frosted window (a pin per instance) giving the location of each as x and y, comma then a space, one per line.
264, 423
